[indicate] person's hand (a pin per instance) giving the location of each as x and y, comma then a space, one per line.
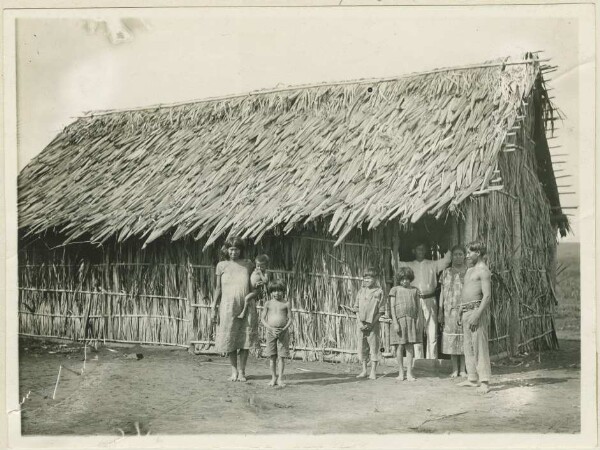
473, 321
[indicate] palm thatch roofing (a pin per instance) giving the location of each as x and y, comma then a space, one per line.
356, 153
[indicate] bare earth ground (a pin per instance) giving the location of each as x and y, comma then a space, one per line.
174, 392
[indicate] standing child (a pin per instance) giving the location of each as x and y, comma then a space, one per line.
258, 282
277, 318
369, 307
404, 305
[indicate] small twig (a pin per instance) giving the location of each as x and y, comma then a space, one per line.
439, 418
57, 380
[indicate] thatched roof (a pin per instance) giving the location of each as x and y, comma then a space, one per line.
361, 152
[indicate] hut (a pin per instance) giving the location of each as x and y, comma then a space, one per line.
122, 215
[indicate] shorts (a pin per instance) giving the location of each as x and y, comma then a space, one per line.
278, 346
368, 344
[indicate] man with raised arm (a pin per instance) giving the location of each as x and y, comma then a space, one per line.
426, 272
474, 315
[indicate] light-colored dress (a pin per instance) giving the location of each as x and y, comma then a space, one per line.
233, 333
452, 281
404, 302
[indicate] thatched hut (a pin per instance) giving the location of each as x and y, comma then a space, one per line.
122, 215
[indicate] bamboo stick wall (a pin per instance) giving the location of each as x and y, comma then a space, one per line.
161, 294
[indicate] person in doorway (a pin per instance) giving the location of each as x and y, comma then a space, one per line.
452, 280
474, 316
426, 272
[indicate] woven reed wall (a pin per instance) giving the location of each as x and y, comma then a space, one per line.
161, 294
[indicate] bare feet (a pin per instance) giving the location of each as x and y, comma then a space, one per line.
272, 382
363, 374
242, 377
280, 382
463, 374
372, 376
453, 374
400, 376
234, 376
484, 388
468, 383
410, 377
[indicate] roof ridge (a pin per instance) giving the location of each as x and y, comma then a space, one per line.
157, 106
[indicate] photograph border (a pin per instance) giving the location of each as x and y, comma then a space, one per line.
586, 14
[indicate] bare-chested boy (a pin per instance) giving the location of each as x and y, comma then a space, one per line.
277, 318
474, 315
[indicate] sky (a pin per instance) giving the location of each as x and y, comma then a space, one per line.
68, 66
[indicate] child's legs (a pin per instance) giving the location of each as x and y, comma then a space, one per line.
461, 359
363, 351
233, 362
374, 344
454, 359
410, 353
243, 360
273, 366
400, 357
281, 367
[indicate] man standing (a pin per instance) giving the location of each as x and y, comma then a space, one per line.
474, 314
426, 272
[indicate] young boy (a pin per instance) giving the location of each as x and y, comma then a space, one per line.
277, 318
368, 308
258, 282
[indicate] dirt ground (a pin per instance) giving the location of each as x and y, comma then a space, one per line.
171, 391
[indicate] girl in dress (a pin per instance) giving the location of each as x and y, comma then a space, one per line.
235, 336
407, 328
452, 280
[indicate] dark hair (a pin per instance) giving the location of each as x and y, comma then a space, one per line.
276, 286
370, 272
458, 247
477, 246
263, 259
419, 243
236, 242
404, 272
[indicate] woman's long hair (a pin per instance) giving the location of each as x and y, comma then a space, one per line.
236, 242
